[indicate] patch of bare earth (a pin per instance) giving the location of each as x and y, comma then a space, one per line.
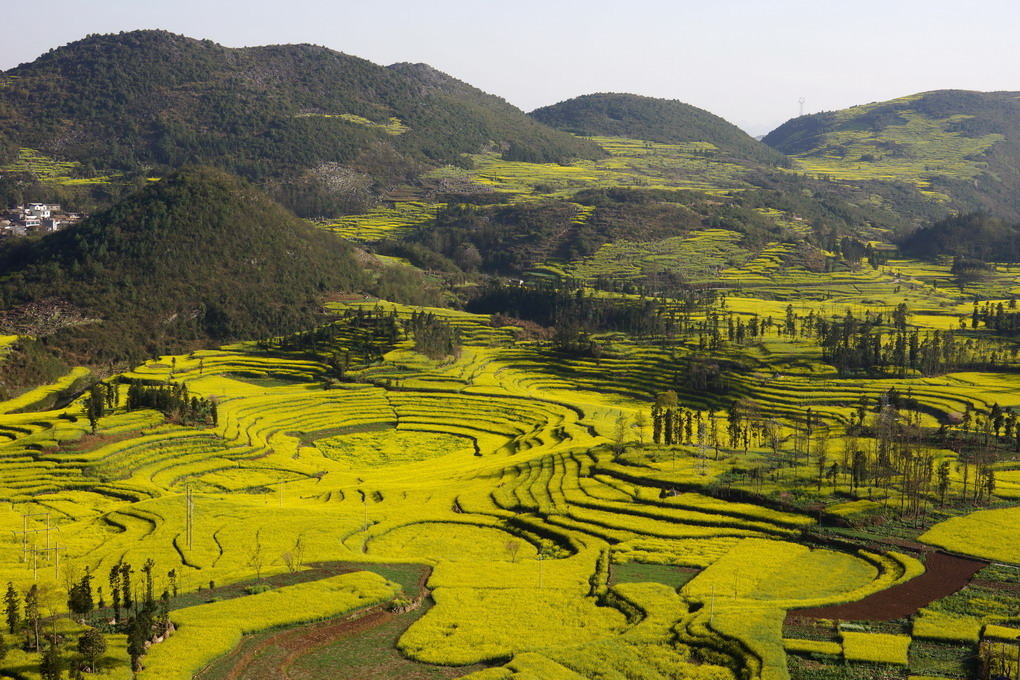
944, 575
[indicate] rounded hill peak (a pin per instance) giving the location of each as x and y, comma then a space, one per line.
667, 121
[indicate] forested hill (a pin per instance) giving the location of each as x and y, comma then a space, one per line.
974, 236
198, 256
962, 145
150, 101
657, 120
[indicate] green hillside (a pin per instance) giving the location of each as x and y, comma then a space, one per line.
962, 148
197, 256
656, 120
323, 130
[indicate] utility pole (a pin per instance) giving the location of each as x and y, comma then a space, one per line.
26, 531
189, 516
56, 560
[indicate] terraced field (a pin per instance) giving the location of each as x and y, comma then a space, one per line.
394, 222
916, 149
523, 476
46, 169
631, 162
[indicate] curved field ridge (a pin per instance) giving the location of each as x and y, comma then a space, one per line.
943, 575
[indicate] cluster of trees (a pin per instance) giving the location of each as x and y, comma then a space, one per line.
360, 336
873, 343
24, 614
998, 429
741, 425
1002, 319
854, 250
996, 660
884, 447
501, 239
898, 453
674, 424
975, 238
433, 337
142, 620
932, 353
172, 400
570, 310
969, 270
101, 396
900, 446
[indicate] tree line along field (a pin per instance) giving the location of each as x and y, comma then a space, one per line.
525, 473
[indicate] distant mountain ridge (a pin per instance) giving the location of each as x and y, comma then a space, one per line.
328, 134
151, 101
657, 120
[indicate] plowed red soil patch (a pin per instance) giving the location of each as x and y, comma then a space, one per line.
944, 575
300, 640
271, 656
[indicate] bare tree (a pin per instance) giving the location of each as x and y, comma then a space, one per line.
640, 422
257, 555
620, 433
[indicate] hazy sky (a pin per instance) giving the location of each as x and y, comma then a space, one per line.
749, 61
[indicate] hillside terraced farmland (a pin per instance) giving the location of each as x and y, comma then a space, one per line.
915, 148
521, 474
46, 169
393, 222
631, 162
